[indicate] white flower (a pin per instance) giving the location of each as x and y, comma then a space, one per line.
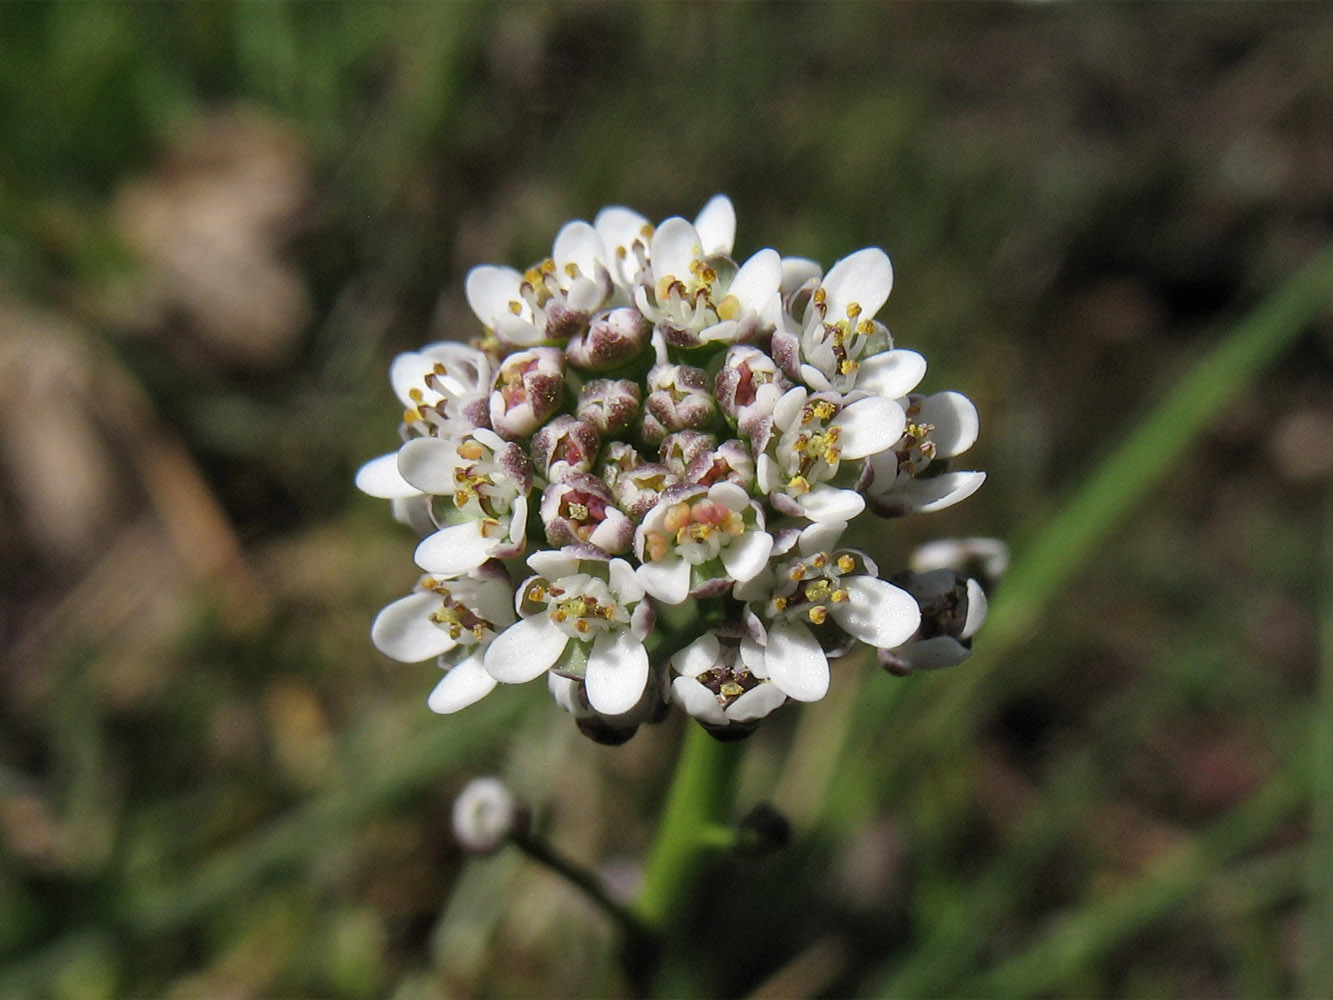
586, 617
724, 683
551, 300
953, 608
905, 478
443, 388
444, 617
697, 536
817, 602
487, 480
838, 325
694, 293
810, 437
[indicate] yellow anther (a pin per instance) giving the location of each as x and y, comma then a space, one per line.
547, 266
832, 454
536, 592
558, 615
820, 295
853, 310
581, 625
779, 604
411, 416
578, 511
515, 307
416, 395
818, 614
820, 560
472, 450
839, 597
798, 573
730, 689
461, 497
572, 269
846, 563
865, 328
439, 368
729, 308
848, 367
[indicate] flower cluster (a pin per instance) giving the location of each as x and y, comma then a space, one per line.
636, 479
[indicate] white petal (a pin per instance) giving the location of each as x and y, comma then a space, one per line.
404, 631
891, 373
624, 584
877, 612
407, 372
525, 650
577, 243
815, 378
617, 673
619, 228
730, 495
796, 271
758, 279
380, 478
752, 657
821, 536
463, 685
954, 420
869, 426
552, 563
795, 662
428, 463
747, 555
674, 246
756, 703
934, 653
788, 408
938, 492
716, 225
455, 550
977, 609
864, 277
828, 503
491, 289
700, 655
698, 701
667, 579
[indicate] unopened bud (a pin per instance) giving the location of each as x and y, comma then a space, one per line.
612, 339
486, 815
609, 405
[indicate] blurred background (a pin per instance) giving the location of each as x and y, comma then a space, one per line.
218, 224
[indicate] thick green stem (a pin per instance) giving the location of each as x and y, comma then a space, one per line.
690, 825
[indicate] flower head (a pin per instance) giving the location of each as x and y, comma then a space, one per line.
664, 443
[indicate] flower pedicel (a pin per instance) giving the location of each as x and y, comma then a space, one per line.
635, 479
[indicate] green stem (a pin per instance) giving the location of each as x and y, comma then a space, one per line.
700, 793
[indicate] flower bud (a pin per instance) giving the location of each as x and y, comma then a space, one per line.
635, 484
486, 815
680, 449
612, 339
527, 391
580, 509
749, 385
609, 405
679, 397
563, 446
729, 462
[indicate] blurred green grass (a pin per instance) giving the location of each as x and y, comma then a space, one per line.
210, 783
